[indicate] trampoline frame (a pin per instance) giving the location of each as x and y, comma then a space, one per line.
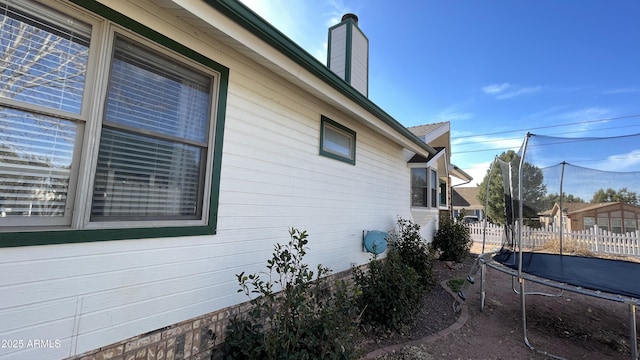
486, 259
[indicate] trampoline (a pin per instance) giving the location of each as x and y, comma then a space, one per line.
621, 278
613, 280
527, 181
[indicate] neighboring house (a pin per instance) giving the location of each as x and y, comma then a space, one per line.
151, 150
616, 217
466, 198
433, 174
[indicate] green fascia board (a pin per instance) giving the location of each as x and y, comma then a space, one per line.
255, 24
66, 235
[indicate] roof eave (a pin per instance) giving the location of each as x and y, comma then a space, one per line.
256, 25
460, 174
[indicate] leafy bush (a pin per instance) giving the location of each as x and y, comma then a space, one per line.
453, 240
244, 340
390, 292
297, 314
413, 249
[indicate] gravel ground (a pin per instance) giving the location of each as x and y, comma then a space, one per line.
436, 315
572, 326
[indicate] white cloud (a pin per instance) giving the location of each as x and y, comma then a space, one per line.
486, 143
337, 8
629, 90
278, 13
304, 22
507, 91
451, 116
587, 114
475, 154
620, 162
477, 171
495, 88
548, 113
518, 92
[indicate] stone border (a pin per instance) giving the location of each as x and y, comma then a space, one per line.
462, 319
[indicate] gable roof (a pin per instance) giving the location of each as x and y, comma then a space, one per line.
572, 208
417, 159
589, 206
256, 25
429, 132
466, 197
436, 135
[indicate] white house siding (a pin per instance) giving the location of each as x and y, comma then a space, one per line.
338, 50
359, 61
89, 295
428, 220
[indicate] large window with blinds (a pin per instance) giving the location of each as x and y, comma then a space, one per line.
154, 138
108, 131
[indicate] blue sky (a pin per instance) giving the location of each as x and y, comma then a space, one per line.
494, 68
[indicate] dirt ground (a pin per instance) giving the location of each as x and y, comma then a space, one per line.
572, 326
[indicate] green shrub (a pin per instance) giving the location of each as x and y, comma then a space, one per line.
390, 292
455, 284
413, 249
244, 340
297, 314
453, 240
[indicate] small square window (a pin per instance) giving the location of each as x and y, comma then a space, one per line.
336, 141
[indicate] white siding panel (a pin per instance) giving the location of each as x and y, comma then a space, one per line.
92, 294
337, 52
359, 61
23, 316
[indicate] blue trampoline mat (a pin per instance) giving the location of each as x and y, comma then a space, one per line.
606, 275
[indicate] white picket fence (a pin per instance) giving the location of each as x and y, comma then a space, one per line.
595, 240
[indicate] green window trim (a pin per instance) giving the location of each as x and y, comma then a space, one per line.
328, 126
66, 235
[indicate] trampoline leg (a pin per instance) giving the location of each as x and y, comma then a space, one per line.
632, 331
523, 308
483, 271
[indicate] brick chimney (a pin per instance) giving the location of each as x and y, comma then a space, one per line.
348, 55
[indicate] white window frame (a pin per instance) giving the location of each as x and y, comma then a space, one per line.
114, 31
434, 186
603, 222
588, 219
89, 120
431, 201
630, 221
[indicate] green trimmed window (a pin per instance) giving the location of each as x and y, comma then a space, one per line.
115, 131
337, 141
